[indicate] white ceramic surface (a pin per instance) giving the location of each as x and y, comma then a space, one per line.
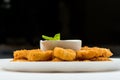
61, 66
51, 44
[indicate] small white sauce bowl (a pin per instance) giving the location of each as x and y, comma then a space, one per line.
67, 44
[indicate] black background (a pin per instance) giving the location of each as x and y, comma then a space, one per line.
95, 22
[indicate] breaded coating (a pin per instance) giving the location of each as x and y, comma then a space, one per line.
64, 54
59, 54
19, 60
106, 52
101, 59
33, 55
38, 55
20, 54
93, 52
56, 60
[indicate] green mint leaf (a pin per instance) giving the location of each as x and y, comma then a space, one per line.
47, 38
56, 37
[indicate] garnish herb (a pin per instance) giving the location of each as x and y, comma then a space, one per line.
56, 37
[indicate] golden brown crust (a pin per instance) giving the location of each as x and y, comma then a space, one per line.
56, 60
64, 54
38, 55
19, 60
93, 52
20, 54
101, 59
60, 54
33, 55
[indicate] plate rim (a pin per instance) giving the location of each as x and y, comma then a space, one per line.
13, 64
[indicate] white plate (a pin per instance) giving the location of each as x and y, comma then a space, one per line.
60, 66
